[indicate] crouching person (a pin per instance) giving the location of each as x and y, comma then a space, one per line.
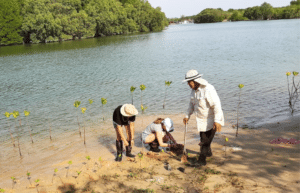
124, 115
158, 134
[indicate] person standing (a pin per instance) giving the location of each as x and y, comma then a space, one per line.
124, 115
206, 104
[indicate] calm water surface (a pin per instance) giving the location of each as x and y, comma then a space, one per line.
46, 79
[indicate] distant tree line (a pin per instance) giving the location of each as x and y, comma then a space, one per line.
263, 12
34, 21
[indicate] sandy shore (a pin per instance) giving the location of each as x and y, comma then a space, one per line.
261, 166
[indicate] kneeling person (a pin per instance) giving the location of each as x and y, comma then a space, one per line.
157, 134
124, 115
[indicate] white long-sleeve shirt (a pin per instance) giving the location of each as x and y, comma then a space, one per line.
206, 104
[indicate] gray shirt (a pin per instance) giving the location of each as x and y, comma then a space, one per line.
152, 128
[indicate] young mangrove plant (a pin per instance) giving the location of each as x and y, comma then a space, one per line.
167, 84
27, 113
7, 114
141, 156
132, 89
83, 109
78, 173
54, 174
90, 104
15, 115
13, 181
87, 164
143, 108
2, 190
294, 91
76, 104
142, 87
28, 177
237, 111
225, 144
70, 163
103, 101
50, 131
36, 184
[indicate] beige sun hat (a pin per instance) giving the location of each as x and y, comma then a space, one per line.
128, 110
195, 76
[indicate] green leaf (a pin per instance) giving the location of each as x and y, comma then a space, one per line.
2, 190
28, 174
77, 103
103, 101
226, 139
88, 157
7, 114
142, 87
295, 73
78, 172
288, 73
13, 178
241, 85
132, 89
26, 113
168, 83
100, 159
37, 180
83, 109
55, 170
91, 101
120, 155
15, 114
70, 162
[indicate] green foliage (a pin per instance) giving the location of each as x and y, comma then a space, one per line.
91, 101
168, 83
77, 103
37, 180
2, 190
210, 15
83, 109
88, 157
70, 162
295, 2
266, 11
15, 114
142, 87
28, 174
26, 113
55, 170
237, 16
10, 22
132, 89
7, 114
103, 101
241, 85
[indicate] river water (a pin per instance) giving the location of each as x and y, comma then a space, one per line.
46, 79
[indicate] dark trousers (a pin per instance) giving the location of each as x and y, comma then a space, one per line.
206, 139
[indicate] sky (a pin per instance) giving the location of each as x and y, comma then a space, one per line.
176, 8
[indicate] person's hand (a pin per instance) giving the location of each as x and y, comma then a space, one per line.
185, 120
217, 127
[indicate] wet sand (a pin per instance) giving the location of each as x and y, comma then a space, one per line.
259, 167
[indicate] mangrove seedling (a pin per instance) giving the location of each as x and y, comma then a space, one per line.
54, 174
132, 89
7, 114
237, 111
141, 156
91, 101
28, 177
167, 84
76, 104
142, 87
226, 140
13, 181
15, 115
70, 163
78, 173
143, 108
83, 109
2, 190
103, 101
50, 131
36, 184
88, 158
27, 113
294, 91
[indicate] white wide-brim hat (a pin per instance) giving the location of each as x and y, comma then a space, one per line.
128, 110
168, 123
195, 76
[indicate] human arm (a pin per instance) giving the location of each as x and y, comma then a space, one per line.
131, 125
189, 112
159, 137
215, 103
120, 132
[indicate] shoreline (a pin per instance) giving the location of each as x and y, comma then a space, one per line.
258, 159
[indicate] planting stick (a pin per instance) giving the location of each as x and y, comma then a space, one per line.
29, 131
12, 138
50, 131
78, 126
184, 156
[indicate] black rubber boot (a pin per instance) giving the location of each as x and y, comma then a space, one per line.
128, 150
154, 146
202, 160
119, 145
209, 153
